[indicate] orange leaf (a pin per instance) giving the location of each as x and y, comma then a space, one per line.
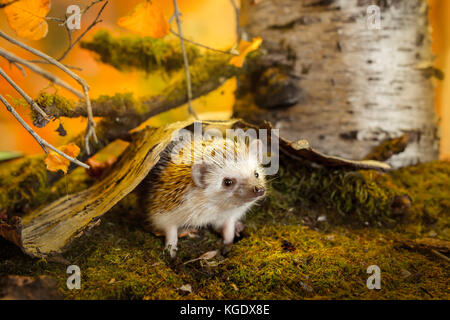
147, 20
244, 49
98, 167
27, 18
55, 162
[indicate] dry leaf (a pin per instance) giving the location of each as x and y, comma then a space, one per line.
97, 168
147, 20
208, 255
188, 233
55, 162
244, 49
186, 288
184, 233
27, 18
205, 256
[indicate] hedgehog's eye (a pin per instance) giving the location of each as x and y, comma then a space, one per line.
227, 182
256, 174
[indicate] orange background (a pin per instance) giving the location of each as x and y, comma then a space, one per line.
211, 22
439, 17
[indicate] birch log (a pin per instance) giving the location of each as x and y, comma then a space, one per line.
346, 86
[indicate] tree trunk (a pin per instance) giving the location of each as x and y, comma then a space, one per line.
330, 78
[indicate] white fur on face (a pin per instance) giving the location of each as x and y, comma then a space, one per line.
242, 172
209, 201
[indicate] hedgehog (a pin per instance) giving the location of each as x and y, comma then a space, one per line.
202, 183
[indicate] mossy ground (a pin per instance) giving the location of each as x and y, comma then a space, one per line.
286, 252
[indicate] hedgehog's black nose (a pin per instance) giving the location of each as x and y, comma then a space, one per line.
258, 191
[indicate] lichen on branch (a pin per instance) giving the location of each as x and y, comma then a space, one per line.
123, 112
143, 53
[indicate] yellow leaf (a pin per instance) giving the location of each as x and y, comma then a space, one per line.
55, 162
244, 49
27, 18
147, 20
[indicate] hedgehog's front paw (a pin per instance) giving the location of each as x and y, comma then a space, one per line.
238, 228
171, 250
171, 240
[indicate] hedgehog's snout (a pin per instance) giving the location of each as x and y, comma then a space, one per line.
258, 191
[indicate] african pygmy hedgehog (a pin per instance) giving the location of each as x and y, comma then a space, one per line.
201, 183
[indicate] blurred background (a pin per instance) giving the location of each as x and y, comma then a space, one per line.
211, 22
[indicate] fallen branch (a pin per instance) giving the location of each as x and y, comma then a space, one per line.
44, 144
206, 75
437, 247
142, 53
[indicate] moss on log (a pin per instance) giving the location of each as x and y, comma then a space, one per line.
141, 53
389, 148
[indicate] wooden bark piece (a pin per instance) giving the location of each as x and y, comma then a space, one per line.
301, 150
49, 230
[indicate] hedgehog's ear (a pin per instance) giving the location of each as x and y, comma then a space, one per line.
199, 170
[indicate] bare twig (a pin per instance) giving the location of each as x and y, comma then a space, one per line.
49, 76
44, 144
4, 5
46, 62
238, 24
440, 255
18, 66
96, 21
90, 130
90, 5
202, 45
185, 58
62, 21
69, 38
33, 104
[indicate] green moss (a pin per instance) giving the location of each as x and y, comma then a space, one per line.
388, 148
357, 197
143, 53
23, 183
428, 186
285, 253
57, 105
24, 186
330, 266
